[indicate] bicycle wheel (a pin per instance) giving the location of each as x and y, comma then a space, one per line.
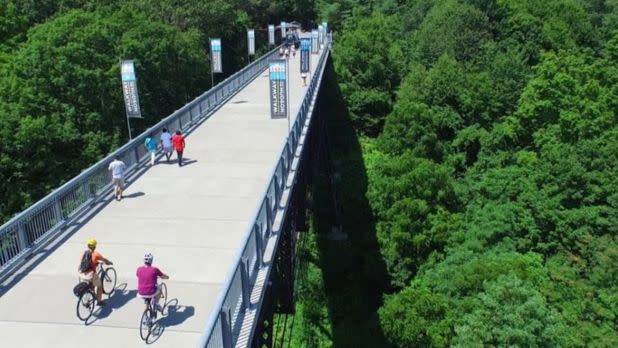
145, 324
85, 305
108, 280
163, 299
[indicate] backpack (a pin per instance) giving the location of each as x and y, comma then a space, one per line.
80, 288
85, 263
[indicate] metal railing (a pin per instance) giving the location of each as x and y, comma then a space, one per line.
224, 324
32, 228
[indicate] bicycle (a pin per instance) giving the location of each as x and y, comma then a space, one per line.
85, 302
150, 313
87, 299
107, 274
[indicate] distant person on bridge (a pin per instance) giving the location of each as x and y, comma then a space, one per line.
179, 145
151, 146
166, 142
118, 168
147, 277
89, 261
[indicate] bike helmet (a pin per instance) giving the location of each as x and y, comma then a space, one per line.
92, 243
148, 258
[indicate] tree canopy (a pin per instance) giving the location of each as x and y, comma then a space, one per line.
492, 171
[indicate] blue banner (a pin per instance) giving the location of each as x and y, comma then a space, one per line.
314, 41
277, 72
271, 34
251, 41
216, 62
305, 55
129, 89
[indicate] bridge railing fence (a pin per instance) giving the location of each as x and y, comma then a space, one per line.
32, 228
225, 322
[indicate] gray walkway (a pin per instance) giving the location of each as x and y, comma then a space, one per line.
191, 218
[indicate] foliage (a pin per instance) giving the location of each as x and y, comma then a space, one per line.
368, 68
493, 178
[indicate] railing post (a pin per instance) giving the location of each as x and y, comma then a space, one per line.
22, 241
58, 210
226, 327
86, 188
277, 190
269, 218
258, 244
136, 153
244, 280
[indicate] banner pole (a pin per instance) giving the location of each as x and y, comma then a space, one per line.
129, 126
287, 85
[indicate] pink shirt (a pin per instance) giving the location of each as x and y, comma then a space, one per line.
147, 279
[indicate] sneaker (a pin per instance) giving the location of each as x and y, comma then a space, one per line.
101, 304
158, 308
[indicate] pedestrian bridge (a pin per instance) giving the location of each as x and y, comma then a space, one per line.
213, 225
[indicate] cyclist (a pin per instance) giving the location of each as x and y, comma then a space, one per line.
88, 271
147, 276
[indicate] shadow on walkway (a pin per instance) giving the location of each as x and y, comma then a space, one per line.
120, 297
176, 314
134, 195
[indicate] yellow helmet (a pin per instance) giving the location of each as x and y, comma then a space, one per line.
92, 243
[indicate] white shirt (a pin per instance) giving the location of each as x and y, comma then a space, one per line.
166, 139
117, 167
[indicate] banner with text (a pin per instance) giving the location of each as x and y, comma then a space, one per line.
251, 41
314, 41
320, 34
283, 25
305, 55
216, 63
129, 89
325, 26
277, 72
271, 34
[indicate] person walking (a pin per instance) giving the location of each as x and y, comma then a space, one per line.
166, 143
179, 145
117, 167
151, 146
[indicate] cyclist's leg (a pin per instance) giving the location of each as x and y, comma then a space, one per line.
157, 294
96, 282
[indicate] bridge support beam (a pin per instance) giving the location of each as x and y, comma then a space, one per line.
285, 269
263, 336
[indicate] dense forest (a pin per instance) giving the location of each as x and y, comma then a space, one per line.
487, 154
475, 144
489, 142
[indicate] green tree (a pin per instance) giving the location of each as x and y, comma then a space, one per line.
453, 28
369, 68
62, 98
